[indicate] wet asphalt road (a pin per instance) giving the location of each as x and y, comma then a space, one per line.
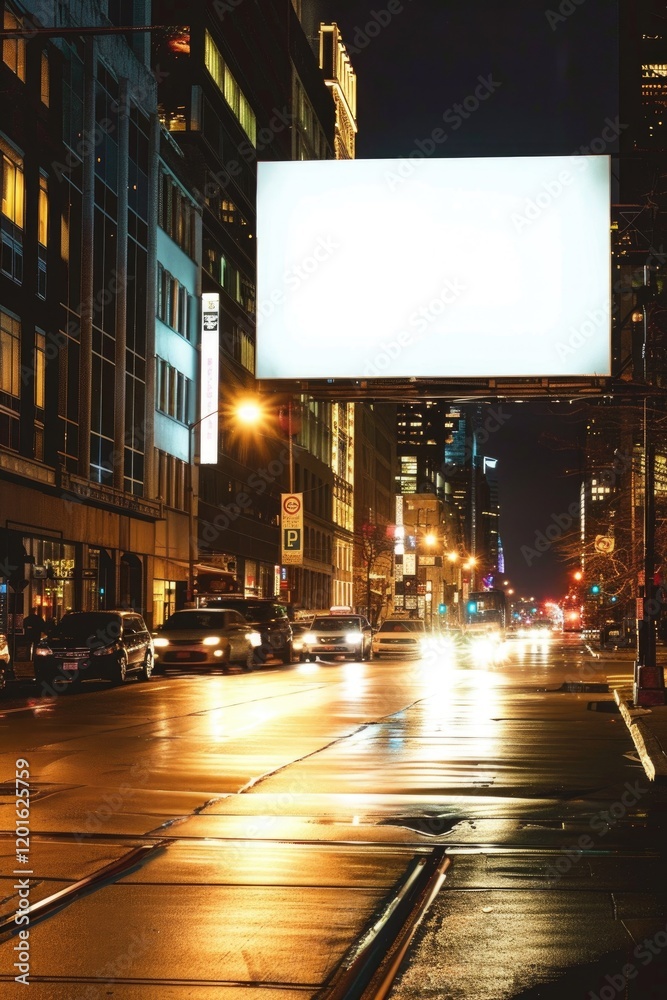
286, 805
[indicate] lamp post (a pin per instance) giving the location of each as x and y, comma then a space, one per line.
252, 413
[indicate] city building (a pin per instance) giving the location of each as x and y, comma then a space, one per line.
179, 238
374, 508
79, 145
226, 104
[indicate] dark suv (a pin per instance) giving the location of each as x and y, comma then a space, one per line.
267, 617
109, 645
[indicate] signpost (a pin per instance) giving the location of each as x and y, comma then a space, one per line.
291, 528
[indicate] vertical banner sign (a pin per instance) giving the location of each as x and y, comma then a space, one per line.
291, 528
210, 376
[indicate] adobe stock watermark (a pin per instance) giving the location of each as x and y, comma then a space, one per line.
601, 824
377, 22
595, 321
551, 190
295, 275
493, 421
111, 803
118, 967
566, 9
258, 482
645, 952
420, 321
563, 522
454, 116
281, 119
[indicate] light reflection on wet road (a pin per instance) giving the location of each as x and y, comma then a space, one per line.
292, 800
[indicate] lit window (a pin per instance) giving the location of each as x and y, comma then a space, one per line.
40, 369
43, 212
45, 90
229, 88
13, 49
10, 354
13, 196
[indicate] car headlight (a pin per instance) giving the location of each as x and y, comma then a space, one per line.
160, 642
255, 638
309, 637
105, 650
211, 640
43, 651
353, 638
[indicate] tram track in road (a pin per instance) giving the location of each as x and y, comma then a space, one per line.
368, 962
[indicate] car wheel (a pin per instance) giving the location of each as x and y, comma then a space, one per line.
302, 658
377, 656
146, 671
260, 654
287, 656
119, 670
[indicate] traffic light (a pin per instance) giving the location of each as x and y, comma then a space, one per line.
595, 588
442, 609
472, 607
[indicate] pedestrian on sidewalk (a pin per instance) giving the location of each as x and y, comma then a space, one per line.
35, 628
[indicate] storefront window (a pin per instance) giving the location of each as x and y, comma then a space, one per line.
164, 600
52, 588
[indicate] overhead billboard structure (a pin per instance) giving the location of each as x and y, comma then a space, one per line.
442, 268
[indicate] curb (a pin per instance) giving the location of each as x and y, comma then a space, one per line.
649, 748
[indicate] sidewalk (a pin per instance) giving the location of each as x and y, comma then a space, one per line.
647, 726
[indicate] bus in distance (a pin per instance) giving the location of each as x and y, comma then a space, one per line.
486, 610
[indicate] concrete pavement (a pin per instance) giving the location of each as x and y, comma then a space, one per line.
647, 726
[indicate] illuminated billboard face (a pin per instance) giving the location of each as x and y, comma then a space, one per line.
210, 363
442, 268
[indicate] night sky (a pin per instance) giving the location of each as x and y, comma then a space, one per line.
554, 81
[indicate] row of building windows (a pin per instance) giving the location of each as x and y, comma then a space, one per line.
229, 88
171, 480
240, 346
173, 391
234, 282
174, 303
177, 215
13, 220
11, 372
14, 53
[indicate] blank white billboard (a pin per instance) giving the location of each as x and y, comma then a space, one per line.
441, 268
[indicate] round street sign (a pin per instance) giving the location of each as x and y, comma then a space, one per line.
291, 505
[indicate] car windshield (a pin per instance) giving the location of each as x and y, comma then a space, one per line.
252, 611
401, 626
337, 624
83, 626
195, 619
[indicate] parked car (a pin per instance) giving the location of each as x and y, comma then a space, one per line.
298, 631
205, 637
107, 645
330, 635
266, 616
399, 637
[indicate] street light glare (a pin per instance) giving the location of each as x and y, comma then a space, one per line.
249, 412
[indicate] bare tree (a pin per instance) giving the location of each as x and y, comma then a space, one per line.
374, 547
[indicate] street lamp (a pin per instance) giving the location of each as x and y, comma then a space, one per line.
253, 414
